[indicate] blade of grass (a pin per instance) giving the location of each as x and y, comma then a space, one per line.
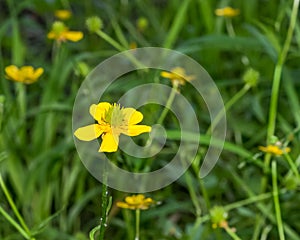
276, 201
14, 223
13, 206
177, 24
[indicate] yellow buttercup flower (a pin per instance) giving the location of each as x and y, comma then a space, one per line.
112, 121
227, 12
135, 202
61, 33
274, 149
25, 74
177, 76
63, 14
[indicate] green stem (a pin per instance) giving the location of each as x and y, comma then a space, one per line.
110, 40
2, 101
14, 223
196, 167
137, 224
104, 205
276, 201
21, 96
238, 204
265, 232
13, 206
292, 165
278, 71
178, 23
192, 192
231, 233
275, 87
168, 104
248, 201
263, 208
230, 28
264, 180
120, 48
229, 104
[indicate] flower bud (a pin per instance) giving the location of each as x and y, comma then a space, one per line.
94, 24
251, 77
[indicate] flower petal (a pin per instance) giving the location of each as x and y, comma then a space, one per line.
38, 72
167, 74
109, 143
135, 130
51, 35
123, 205
12, 72
63, 14
89, 132
132, 116
98, 111
73, 36
27, 70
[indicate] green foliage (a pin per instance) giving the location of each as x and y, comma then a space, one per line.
47, 193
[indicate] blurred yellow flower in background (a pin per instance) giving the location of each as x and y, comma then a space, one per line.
63, 14
112, 122
227, 12
61, 33
274, 149
177, 76
142, 24
135, 202
133, 45
25, 74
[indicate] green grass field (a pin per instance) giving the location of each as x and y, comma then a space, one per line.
252, 53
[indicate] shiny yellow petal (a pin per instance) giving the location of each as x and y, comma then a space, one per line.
98, 111
89, 132
27, 70
179, 71
167, 74
123, 205
73, 36
135, 130
132, 116
135, 199
62, 14
109, 143
12, 72
227, 12
38, 72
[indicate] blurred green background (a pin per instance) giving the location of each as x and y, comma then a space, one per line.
47, 193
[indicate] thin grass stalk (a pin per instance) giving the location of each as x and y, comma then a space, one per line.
276, 201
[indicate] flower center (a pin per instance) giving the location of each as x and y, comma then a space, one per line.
114, 115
